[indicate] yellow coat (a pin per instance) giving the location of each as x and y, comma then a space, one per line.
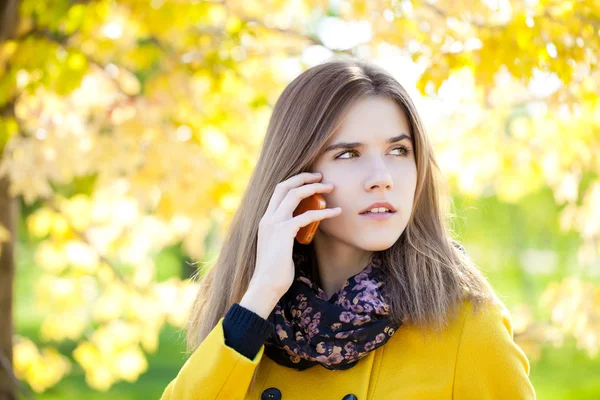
475, 357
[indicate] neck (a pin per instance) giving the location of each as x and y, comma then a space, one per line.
336, 263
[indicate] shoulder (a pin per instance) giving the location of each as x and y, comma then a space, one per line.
484, 325
488, 312
472, 357
488, 361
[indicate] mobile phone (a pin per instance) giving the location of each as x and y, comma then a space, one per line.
315, 202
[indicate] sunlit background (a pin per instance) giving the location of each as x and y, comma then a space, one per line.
129, 130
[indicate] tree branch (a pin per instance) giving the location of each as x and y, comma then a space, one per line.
444, 14
6, 365
9, 18
81, 236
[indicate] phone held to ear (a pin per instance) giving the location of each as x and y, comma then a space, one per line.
315, 202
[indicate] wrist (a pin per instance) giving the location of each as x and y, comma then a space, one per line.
260, 299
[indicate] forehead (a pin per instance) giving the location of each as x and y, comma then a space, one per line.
372, 117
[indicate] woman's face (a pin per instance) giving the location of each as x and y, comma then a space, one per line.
374, 171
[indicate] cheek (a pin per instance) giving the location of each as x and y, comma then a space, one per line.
341, 188
336, 198
406, 178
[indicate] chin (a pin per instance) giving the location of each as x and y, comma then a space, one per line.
379, 243
377, 246
368, 240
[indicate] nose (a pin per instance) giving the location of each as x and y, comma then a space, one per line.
380, 179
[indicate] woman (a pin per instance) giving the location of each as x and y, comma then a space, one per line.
382, 304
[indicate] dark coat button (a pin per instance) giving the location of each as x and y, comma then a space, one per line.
349, 397
271, 394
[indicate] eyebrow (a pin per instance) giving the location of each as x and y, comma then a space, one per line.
342, 145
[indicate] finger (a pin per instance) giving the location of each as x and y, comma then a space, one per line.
296, 195
313, 215
282, 189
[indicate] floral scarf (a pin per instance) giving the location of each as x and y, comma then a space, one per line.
335, 332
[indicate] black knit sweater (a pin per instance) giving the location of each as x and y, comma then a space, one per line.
245, 331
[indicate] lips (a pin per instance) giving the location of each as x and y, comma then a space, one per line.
379, 204
383, 216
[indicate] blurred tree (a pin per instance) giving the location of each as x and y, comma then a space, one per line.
135, 125
8, 213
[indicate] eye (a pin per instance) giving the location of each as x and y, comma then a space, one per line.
339, 156
404, 149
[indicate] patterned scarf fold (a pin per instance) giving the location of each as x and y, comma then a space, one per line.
335, 332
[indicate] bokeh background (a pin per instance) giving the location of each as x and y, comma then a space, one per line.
129, 129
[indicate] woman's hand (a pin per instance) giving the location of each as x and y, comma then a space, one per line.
274, 272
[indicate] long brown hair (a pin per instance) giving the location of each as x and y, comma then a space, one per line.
428, 273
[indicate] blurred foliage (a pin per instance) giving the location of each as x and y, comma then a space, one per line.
129, 127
